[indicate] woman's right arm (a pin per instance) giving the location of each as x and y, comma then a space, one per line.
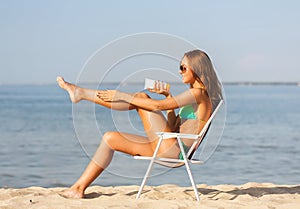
172, 118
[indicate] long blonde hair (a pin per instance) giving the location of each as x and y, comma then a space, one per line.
204, 71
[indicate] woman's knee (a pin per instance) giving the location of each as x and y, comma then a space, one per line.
142, 95
109, 138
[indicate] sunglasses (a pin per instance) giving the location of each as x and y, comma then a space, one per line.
183, 68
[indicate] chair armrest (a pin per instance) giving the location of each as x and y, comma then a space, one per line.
168, 135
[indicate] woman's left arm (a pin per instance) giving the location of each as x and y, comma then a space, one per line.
188, 97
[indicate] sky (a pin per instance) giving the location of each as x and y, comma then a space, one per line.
254, 41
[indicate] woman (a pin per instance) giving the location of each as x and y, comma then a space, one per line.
196, 105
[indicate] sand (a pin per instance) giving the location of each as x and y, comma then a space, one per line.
250, 195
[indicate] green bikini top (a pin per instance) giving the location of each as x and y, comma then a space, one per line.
187, 112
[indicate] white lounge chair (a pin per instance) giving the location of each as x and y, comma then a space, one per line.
187, 157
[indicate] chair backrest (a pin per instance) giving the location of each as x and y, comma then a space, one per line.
203, 132
196, 143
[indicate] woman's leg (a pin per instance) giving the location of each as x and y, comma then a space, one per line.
77, 94
128, 143
111, 141
155, 121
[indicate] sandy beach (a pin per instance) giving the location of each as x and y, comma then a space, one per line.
250, 195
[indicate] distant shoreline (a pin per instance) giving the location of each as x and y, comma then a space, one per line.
225, 83
263, 83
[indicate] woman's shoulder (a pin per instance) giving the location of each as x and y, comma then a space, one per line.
199, 92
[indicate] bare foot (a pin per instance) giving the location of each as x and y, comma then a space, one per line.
70, 88
71, 194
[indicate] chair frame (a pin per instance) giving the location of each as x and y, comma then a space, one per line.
187, 157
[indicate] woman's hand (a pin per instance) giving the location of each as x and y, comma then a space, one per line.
109, 95
161, 88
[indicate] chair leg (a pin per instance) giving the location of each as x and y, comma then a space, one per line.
145, 179
149, 169
192, 181
188, 169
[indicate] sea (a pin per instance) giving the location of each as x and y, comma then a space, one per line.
47, 141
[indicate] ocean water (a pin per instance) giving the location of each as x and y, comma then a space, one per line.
46, 141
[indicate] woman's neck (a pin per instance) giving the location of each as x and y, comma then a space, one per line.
197, 85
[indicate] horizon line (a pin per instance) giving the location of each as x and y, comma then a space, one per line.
242, 83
